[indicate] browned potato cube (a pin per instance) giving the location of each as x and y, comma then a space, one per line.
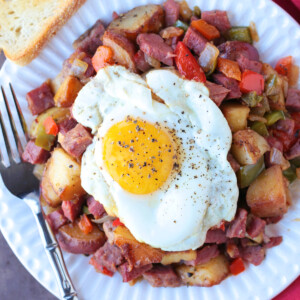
141, 19
137, 254
48, 192
67, 92
207, 274
248, 146
177, 256
236, 115
266, 195
64, 175
122, 47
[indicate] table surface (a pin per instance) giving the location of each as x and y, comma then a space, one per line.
13, 274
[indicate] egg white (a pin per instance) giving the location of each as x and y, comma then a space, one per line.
177, 216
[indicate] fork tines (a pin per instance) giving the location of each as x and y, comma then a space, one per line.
13, 128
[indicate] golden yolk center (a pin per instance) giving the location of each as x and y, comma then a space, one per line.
138, 155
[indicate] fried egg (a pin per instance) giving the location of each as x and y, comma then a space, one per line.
161, 167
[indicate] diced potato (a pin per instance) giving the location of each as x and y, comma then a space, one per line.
138, 254
248, 146
266, 196
123, 49
141, 19
58, 114
67, 92
46, 208
64, 175
236, 115
208, 274
72, 239
47, 190
175, 257
38, 171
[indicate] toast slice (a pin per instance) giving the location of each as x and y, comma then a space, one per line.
27, 25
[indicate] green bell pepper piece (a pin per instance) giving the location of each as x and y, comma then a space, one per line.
239, 33
252, 99
290, 173
274, 116
247, 174
197, 11
260, 128
182, 25
45, 140
85, 210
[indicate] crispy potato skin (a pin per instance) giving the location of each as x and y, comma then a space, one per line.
141, 19
248, 146
48, 192
67, 92
122, 47
140, 254
208, 274
267, 194
236, 115
62, 172
73, 240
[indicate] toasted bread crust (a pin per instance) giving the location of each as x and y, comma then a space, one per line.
50, 28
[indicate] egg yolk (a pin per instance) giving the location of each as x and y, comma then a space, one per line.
138, 155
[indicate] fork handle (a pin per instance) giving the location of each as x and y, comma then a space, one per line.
53, 251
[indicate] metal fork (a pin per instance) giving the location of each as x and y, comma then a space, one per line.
20, 181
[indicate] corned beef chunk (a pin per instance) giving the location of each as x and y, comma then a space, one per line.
204, 254
129, 274
171, 12
237, 227
109, 256
162, 276
229, 83
72, 208
217, 18
34, 154
40, 99
217, 236
293, 100
194, 40
217, 93
56, 219
154, 46
76, 140
95, 207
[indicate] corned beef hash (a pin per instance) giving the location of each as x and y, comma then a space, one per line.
165, 146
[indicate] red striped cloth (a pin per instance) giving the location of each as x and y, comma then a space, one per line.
293, 291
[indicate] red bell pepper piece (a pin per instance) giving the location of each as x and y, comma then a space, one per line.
187, 64
117, 222
85, 224
252, 81
237, 266
100, 268
284, 65
50, 126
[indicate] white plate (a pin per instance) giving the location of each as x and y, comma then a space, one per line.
279, 36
